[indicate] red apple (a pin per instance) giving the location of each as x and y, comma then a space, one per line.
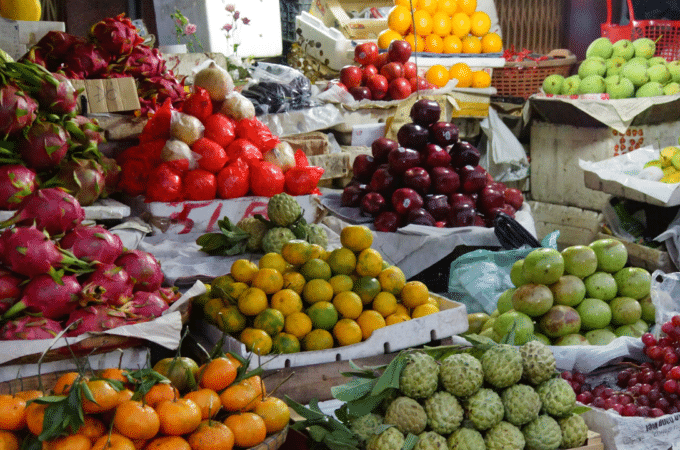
366, 53
444, 180
490, 198
412, 135
378, 86
360, 93
458, 198
335, 83
392, 70
369, 71
404, 200
351, 196
351, 76
421, 216
373, 203
399, 51
387, 221
461, 216
383, 181
425, 112
381, 60
435, 156
514, 198
438, 206
418, 84
382, 147
464, 154
399, 88
472, 178
481, 221
401, 159
418, 179
444, 133
410, 70
363, 167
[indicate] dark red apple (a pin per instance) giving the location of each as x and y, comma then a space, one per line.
425, 112
392, 70
438, 206
489, 199
368, 72
472, 179
366, 53
444, 180
381, 60
435, 156
401, 159
378, 86
458, 199
360, 93
383, 182
410, 70
444, 133
418, 179
399, 51
382, 147
464, 154
421, 216
336, 83
387, 221
404, 200
413, 136
399, 88
461, 216
351, 76
514, 198
373, 203
418, 84
481, 221
499, 186
351, 196
363, 167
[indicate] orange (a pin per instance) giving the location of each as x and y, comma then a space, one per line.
30, 394
414, 293
124, 395
367, 288
369, 321
342, 260
104, 394
472, 44
168, 443
347, 332
249, 429
12, 413
323, 315
253, 301
462, 73
287, 301
386, 37
492, 43
452, 44
385, 303
460, 24
239, 397
177, 417
136, 420
93, 428
437, 75
369, 262
480, 79
211, 435
348, 304
417, 43
467, 6
480, 23
269, 280
298, 324
256, 341
285, 343
423, 21
294, 281
405, 3
35, 414
356, 237
275, 414
71, 442
441, 24
428, 5
160, 392
273, 260
180, 369
243, 270
396, 318
297, 251
448, 7
434, 43
114, 373
8, 440
64, 383
399, 19
270, 321
217, 374
207, 400
317, 340
392, 280
114, 441
424, 310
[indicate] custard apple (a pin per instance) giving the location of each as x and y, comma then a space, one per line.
484, 409
538, 362
444, 413
283, 209
420, 377
522, 404
256, 230
543, 433
504, 436
502, 365
390, 439
275, 239
407, 415
429, 440
366, 426
574, 431
316, 234
461, 374
557, 396
466, 439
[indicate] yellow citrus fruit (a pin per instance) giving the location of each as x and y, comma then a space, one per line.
348, 304
297, 251
417, 42
287, 301
285, 343
342, 261
392, 280
423, 21
441, 24
231, 292
461, 72
230, 320
433, 301
211, 308
269, 280
273, 260
341, 283
319, 252
316, 269
219, 283
448, 7
356, 237
369, 321
396, 318
252, 301
405, 3
472, 44
452, 44
386, 37
492, 43
399, 19
317, 340
414, 293
347, 332
294, 281
201, 299
424, 310
480, 23
317, 290
467, 6
270, 321
243, 270
428, 5
323, 315
256, 341
385, 303
367, 288
434, 44
480, 79
298, 324
460, 24
437, 75
369, 263
401, 309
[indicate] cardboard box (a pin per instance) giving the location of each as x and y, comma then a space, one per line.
577, 226
109, 94
17, 36
336, 13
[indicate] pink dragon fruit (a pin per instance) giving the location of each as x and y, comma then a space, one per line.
16, 183
85, 60
56, 94
117, 35
92, 243
169, 294
108, 284
10, 289
142, 63
112, 171
51, 209
93, 319
47, 297
90, 128
143, 268
29, 328
44, 145
17, 110
155, 90
51, 49
83, 178
146, 305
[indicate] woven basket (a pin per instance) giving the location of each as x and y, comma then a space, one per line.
524, 78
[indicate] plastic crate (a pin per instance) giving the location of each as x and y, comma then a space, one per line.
289, 10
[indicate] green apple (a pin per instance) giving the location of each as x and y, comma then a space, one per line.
592, 84
532, 299
543, 266
671, 88
640, 59
633, 282
635, 72
553, 84
489, 322
623, 48
595, 313
619, 87
568, 290
560, 320
570, 85
625, 310
611, 254
641, 326
644, 47
614, 65
656, 60
600, 337
579, 260
648, 309
601, 285
517, 273
650, 89
592, 66
504, 303
674, 69
476, 322
540, 337
659, 73
571, 339
601, 47
522, 324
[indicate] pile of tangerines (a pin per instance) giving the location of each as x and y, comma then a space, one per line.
120, 409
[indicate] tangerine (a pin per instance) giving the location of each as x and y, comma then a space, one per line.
256, 341
211, 435
441, 24
318, 340
428, 5
369, 261
481, 79
239, 397
492, 43
386, 37
253, 301
294, 281
217, 374
317, 290
367, 288
298, 324
179, 416
273, 260
323, 315
285, 343
399, 19
249, 429
385, 303
461, 72
113, 441
70, 442
207, 400
168, 443
356, 237
230, 319
270, 320
414, 293
417, 42
460, 24
347, 332
472, 44
437, 75
12, 413
269, 280
341, 283
135, 420
342, 261
467, 6
392, 280
423, 22
160, 392
369, 321
64, 383
424, 310
243, 270
287, 301
396, 318
8, 440
35, 415
348, 304
92, 428
274, 412
480, 23
104, 394
452, 44
448, 7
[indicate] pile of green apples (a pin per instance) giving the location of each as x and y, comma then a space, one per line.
622, 69
583, 295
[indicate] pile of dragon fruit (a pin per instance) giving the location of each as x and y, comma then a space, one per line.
58, 273
113, 49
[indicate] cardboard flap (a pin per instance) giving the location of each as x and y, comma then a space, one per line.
109, 94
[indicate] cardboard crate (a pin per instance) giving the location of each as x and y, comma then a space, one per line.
577, 226
336, 13
106, 95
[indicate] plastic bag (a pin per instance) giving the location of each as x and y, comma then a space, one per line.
257, 133
478, 278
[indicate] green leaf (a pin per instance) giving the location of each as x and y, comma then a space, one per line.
317, 433
365, 405
477, 342
31, 442
390, 377
580, 409
48, 399
509, 338
303, 411
353, 389
410, 441
441, 352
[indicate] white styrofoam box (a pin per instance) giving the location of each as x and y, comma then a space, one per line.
363, 135
577, 226
102, 209
261, 38
335, 47
450, 320
17, 36
555, 150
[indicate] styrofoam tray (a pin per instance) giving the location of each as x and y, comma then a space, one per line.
102, 209
450, 320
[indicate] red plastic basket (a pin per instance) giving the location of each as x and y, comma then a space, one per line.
666, 33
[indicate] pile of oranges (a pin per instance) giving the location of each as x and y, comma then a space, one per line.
307, 298
441, 26
439, 75
221, 412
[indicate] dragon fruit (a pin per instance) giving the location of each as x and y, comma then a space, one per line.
145, 305
143, 268
29, 327
51, 49
112, 171
10, 289
47, 297
117, 35
16, 183
44, 145
90, 128
85, 60
143, 62
93, 243
108, 284
169, 294
95, 318
83, 178
17, 110
56, 94
51, 209
161, 87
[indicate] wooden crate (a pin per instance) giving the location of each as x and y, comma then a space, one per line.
594, 442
